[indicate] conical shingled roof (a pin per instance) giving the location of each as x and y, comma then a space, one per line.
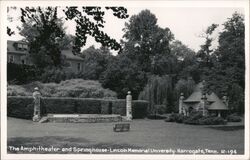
195, 97
217, 105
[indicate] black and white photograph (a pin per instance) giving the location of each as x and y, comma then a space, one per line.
120, 80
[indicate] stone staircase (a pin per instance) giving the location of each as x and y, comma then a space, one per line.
82, 118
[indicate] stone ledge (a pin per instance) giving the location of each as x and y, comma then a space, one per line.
83, 118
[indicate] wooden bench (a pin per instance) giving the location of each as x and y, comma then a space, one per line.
121, 127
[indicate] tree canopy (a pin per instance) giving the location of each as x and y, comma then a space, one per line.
227, 76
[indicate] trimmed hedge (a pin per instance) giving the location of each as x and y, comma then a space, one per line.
22, 107
21, 74
195, 118
139, 109
233, 118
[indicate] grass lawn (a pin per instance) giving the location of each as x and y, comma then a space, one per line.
144, 134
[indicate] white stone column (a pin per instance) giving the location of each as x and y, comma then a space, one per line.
181, 109
219, 115
129, 106
203, 103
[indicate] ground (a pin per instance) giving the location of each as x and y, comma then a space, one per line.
144, 134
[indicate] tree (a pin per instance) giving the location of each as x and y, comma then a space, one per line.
123, 75
41, 28
187, 65
95, 62
205, 51
227, 76
89, 21
158, 91
144, 39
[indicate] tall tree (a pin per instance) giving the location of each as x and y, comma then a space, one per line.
228, 74
205, 51
95, 62
41, 28
144, 39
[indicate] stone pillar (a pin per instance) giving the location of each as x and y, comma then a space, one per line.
129, 106
203, 104
225, 100
219, 115
37, 107
181, 109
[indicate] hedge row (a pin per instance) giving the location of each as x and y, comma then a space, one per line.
22, 107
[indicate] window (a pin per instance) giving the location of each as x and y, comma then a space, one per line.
23, 61
78, 66
21, 46
25, 46
69, 64
11, 59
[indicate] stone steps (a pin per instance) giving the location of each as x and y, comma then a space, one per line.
82, 118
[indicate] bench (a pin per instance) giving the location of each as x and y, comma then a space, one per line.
121, 127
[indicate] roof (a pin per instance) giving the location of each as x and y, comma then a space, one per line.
216, 103
12, 49
69, 55
194, 97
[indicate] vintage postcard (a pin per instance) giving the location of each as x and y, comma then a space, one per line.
125, 79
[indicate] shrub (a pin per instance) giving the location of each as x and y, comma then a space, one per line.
170, 118
233, 118
211, 121
193, 118
174, 117
88, 106
160, 109
22, 107
156, 116
22, 74
69, 88
55, 75
139, 109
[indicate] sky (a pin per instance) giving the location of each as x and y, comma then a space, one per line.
186, 23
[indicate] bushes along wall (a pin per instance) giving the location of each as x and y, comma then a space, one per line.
22, 107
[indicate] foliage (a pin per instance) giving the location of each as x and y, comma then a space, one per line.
144, 39
158, 91
21, 74
233, 118
89, 21
193, 118
155, 116
174, 117
196, 118
160, 109
69, 88
22, 107
204, 52
41, 28
187, 65
227, 76
53, 74
210, 121
95, 62
139, 109
122, 76
185, 86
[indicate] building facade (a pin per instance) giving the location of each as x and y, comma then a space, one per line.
17, 52
208, 104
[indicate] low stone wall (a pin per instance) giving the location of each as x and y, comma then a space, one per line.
22, 107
